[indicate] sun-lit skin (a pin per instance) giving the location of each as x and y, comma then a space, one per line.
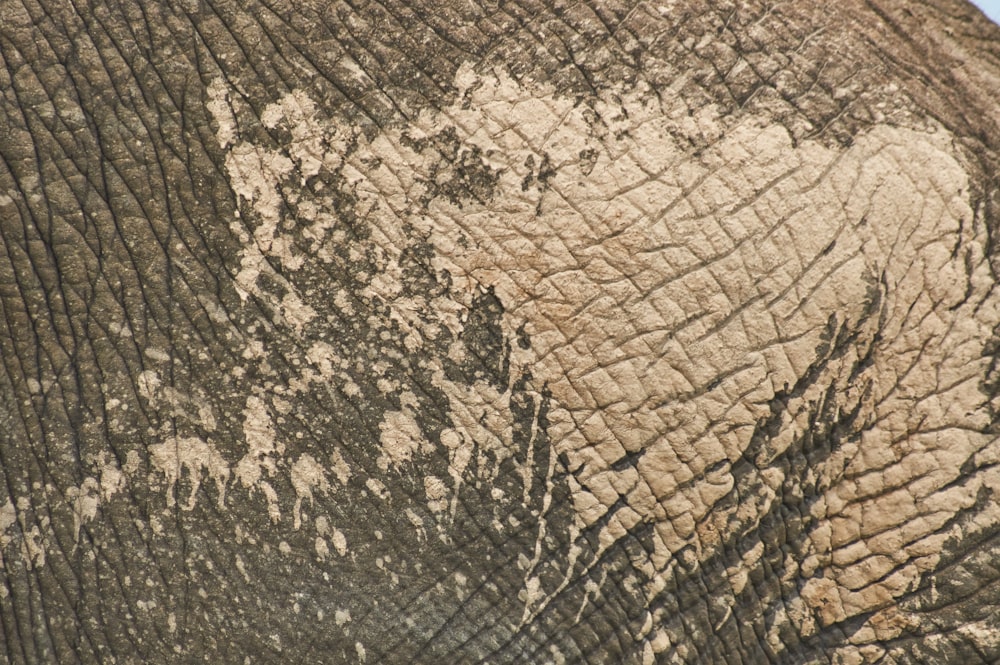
414, 332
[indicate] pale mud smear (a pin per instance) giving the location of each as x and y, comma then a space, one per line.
669, 292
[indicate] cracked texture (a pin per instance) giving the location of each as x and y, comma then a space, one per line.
607, 332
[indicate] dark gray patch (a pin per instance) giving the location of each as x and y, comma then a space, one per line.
487, 355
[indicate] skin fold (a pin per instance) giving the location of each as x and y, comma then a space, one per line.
499, 332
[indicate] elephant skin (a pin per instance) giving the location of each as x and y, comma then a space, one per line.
499, 332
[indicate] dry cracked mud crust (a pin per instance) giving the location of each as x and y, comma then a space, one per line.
499, 332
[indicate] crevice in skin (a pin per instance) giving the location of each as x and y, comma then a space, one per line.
979, 579
717, 631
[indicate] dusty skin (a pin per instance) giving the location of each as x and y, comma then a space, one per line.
665, 313
658, 333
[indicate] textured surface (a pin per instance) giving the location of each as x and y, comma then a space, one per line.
512, 332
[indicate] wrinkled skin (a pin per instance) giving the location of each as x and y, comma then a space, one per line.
499, 332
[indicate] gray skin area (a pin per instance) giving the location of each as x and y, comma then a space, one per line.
116, 223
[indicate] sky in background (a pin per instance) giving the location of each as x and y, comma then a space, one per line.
990, 7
